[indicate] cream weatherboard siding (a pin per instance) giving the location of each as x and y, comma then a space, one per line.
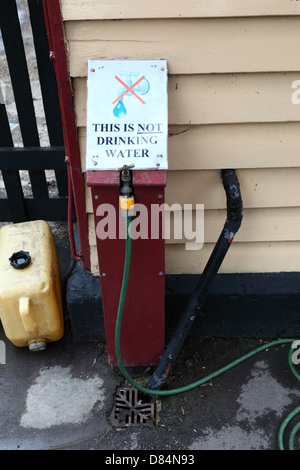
127, 9
233, 68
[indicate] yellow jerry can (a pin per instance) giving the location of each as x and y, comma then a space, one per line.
31, 309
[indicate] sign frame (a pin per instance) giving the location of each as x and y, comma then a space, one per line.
127, 114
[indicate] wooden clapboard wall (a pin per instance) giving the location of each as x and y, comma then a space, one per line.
232, 65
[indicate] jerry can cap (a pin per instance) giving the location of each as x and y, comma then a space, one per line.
20, 259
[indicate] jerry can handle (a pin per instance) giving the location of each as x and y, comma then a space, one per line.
24, 310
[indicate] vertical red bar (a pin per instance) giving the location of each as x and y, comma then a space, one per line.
54, 27
143, 327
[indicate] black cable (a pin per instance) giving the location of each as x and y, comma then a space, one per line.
232, 224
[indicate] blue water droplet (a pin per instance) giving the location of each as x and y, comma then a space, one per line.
119, 110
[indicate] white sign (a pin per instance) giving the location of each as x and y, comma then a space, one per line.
127, 114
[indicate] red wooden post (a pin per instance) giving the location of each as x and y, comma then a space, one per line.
143, 326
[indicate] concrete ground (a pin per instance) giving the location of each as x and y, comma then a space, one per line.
62, 398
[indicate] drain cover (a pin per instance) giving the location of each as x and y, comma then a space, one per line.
132, 408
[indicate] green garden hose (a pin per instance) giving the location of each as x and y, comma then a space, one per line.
204, 379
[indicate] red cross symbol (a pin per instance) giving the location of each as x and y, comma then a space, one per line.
129, 89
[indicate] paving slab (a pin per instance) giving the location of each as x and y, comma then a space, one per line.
62, 398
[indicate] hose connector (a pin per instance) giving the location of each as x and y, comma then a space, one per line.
126, 191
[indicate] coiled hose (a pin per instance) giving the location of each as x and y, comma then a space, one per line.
204, 379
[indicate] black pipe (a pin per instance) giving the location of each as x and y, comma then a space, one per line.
232, 224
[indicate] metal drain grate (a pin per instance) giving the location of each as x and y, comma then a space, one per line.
132, 408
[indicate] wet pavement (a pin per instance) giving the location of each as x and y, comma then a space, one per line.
63, 398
